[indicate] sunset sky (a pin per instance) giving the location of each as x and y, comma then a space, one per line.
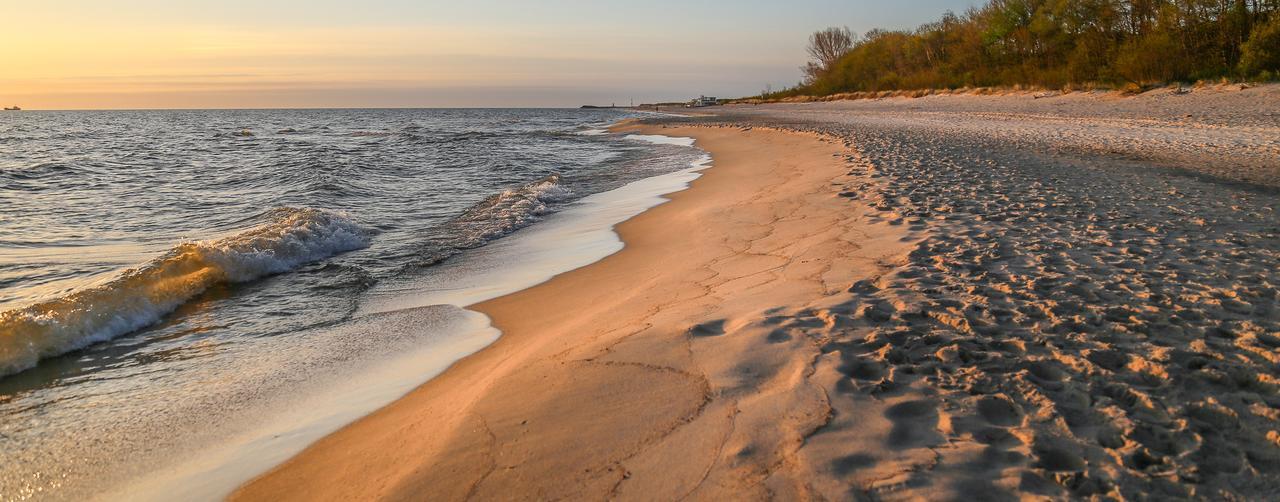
324, 53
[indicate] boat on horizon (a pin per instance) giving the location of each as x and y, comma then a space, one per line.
13, 108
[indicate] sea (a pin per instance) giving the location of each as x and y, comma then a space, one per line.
190, 297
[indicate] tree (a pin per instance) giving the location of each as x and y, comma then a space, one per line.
1052, 43
1151, 58
1262, 51
825, 48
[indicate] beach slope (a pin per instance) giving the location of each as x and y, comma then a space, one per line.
680, 366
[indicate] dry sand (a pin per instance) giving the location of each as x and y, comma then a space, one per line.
1223, 132
885, 303
677, 367
1078, 322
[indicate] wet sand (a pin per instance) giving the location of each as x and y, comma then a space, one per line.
675, 367
867, 301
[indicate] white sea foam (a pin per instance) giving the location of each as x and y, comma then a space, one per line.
510, 209
422, 323
660, 140
141, 296
575, 237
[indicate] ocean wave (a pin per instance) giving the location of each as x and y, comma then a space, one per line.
509, 210
141, 296
470, 136
42, 171
489, 219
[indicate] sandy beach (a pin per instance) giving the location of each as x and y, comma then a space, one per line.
866, 300
973, 250
689, 336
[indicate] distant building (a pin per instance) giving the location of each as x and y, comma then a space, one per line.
703, 101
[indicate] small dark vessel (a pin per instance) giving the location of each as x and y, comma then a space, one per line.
13, 108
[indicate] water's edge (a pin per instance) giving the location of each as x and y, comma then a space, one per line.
576, 237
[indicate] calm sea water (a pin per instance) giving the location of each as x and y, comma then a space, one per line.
165, 275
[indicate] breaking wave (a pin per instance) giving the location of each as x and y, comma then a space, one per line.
489, 219
141, 296
509, 210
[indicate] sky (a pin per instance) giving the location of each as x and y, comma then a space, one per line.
94, 54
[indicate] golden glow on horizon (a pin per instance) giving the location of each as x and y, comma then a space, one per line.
95, 66
247, 53
66, 67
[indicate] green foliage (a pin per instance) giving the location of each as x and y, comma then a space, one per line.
1260, 56
1153, 57
1063, 43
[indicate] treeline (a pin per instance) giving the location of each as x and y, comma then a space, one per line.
1054, 44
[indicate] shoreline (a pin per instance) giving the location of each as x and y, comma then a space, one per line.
433, 314
640, 347
191, 396
884, 301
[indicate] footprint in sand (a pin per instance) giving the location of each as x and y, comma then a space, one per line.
1055, 458
779, 335
999, 410
914, 424
851, 463
709, 328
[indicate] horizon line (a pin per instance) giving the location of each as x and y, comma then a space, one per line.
578, 107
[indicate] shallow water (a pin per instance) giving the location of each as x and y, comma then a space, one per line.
180, 279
